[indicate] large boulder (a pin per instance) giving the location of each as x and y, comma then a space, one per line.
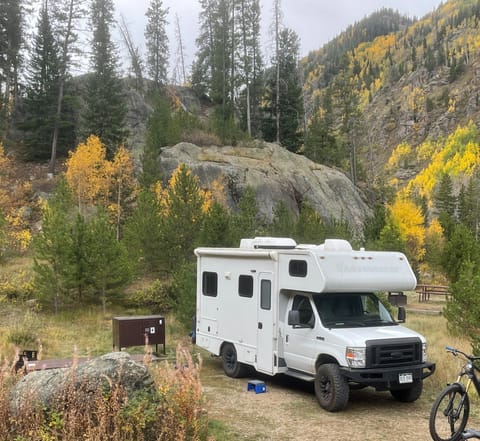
276, 175
48, 387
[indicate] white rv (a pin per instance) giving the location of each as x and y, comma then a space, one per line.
310, 312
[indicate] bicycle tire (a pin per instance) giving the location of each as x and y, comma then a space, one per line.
449, 414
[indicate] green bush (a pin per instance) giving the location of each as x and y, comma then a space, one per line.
156, 298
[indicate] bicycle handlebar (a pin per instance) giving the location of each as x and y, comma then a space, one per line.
456, 351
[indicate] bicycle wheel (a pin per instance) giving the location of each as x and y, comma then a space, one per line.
449, 414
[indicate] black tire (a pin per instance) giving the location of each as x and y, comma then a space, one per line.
449, 414
409, 394
232, 367
331, 388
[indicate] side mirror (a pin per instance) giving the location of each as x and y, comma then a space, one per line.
402, 314
294, 318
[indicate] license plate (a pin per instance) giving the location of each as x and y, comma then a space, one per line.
405, 378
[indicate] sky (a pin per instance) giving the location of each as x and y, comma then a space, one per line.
315, 21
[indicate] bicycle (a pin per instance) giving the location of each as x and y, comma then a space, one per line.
451, 409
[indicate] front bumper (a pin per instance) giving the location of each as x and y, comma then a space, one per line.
384, 377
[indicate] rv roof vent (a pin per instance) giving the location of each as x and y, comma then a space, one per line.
268, 243
336, 245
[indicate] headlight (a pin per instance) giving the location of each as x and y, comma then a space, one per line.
356, 357
424, 352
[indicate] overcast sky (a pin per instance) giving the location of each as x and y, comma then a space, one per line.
315, 21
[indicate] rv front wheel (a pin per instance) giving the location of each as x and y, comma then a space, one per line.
232, 367
331, 388
410, 394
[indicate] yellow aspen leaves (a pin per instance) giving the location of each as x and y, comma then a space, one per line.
88, 173
410, 221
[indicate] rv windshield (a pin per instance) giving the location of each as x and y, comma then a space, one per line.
339, 310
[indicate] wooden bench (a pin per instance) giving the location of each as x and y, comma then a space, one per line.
426, 291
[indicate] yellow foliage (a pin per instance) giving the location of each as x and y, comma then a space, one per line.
88, 172
410, 221
400, 155
458, 155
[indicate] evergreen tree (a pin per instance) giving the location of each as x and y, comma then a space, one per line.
108, 262
213, 71
11, 38
78, 263
42, 90
310, 227
105, 108
444, 198
247, 17
245, 221
347, 104
469, 205
182, 204
321, 144
288, 106
460, 248
283, 223
462, 310
216, 228
163, 129
67, 14
52, 248
157, 43
143, 234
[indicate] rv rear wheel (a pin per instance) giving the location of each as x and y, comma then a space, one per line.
331, 388
232, 367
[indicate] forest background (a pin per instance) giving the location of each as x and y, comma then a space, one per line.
109, 217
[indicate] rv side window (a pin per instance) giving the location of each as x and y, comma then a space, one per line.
266, 294
209, 284
297, 268
245, 286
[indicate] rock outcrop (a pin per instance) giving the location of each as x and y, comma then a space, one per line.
48, 387
276, 175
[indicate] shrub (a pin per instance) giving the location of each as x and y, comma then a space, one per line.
156, 298
174, 412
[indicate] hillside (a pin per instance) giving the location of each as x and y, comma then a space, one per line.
416, 82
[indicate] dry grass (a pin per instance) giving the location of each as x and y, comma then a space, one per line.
173, 412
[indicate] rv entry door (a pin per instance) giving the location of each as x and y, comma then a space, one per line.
265, 328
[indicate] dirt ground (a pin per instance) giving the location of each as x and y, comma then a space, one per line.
289, 411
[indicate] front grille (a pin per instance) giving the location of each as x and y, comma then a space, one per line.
391, 353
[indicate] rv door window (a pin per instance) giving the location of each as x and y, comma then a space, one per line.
209, 284
297, 268
266, 294
245, 286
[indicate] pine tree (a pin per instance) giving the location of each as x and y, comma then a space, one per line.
105, 108
11, 39
107, 258
52, 248
214, 70
444, 198
284, 102
247, 16
157, 43
42, 90
143, 234
246, 222
183, 205
67, 14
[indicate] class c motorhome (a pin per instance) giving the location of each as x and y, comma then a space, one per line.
311, 312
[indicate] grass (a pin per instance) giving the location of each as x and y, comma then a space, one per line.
88, 332
174, 411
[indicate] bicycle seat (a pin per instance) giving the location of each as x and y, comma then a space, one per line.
470, 433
